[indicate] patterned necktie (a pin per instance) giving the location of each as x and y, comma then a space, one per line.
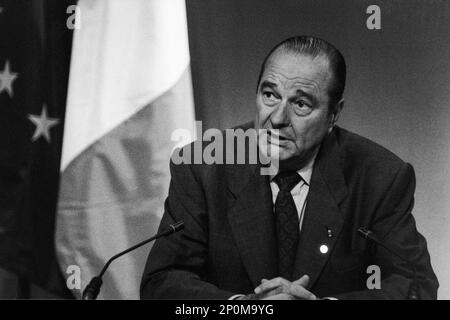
286, 222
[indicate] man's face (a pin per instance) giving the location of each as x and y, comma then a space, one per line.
293, 98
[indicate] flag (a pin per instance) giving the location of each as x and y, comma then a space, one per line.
34, 63
129, 89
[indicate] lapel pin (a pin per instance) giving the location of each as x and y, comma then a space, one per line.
329, 233
323, 249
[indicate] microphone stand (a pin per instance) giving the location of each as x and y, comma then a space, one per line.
93, 288
413, 292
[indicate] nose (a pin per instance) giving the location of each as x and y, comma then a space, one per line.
280, 117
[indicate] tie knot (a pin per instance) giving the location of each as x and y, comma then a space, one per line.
287, 180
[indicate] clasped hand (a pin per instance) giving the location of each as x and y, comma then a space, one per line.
282, 289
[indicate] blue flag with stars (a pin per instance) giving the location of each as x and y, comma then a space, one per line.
35, 46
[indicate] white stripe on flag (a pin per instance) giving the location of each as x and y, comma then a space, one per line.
126, 54
129, 88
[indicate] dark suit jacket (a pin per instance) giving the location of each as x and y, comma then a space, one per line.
229, 245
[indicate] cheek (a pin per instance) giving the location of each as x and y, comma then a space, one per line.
310, 131
262, 113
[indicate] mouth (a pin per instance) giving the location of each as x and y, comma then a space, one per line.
277, 139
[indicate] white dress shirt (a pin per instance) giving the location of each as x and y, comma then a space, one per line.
300, 191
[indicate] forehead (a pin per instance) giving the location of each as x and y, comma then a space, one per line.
291, 70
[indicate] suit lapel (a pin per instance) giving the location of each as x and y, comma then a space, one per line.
322, 213
251, 218
252, 222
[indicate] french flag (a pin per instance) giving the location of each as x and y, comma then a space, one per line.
129, 89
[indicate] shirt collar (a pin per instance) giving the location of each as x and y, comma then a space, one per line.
306, 171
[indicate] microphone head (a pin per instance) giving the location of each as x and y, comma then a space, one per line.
177, 226
92, 289
364, 232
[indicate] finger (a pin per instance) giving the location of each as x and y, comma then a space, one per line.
281, 296
275, 291
271, 284
300, 293
303, 281
267, 286
265, 282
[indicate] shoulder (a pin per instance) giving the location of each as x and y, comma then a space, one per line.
362, 156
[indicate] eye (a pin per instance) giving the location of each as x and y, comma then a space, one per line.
268, 95
269, 98
302, 104
302, 107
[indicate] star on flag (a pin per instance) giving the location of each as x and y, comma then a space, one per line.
6, 79
43, 124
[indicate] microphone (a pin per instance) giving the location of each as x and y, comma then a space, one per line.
93, 288
413, 292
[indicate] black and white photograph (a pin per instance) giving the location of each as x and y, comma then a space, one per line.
224, 154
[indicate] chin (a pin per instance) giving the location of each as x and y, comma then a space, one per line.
285, 155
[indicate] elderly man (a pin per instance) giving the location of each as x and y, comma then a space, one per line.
293, 234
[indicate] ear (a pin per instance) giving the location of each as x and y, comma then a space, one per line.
335, 113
